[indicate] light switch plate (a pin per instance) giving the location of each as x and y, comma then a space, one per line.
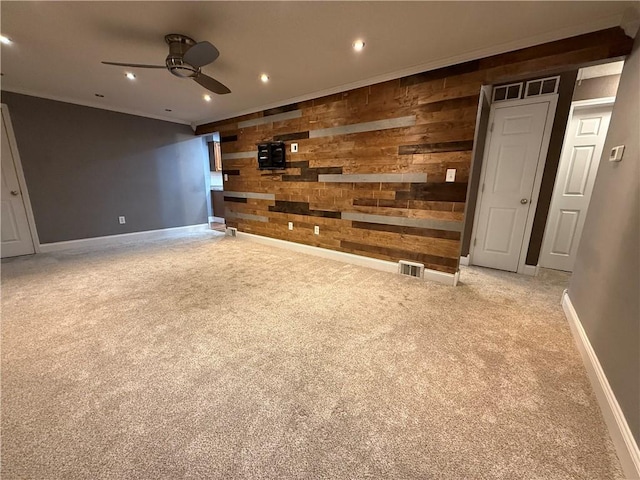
290, 225
294, 147
616, 153
226, 177
451, 175
316, 230
122, 220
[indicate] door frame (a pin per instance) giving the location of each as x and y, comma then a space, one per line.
577, 105
26, 199
552, 100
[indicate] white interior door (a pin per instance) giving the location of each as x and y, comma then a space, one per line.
581, 152
16, 235
514, 150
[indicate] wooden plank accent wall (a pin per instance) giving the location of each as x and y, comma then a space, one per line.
371, 162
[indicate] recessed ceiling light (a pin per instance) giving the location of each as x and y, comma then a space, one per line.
207, 98
264, 77
130, 76
5, 40
358, 45
99, 95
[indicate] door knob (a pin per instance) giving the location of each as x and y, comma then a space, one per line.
524, 201
14, 193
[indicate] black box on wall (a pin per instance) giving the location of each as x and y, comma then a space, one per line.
271, 156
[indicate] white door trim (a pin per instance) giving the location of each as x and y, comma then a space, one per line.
591, 103
552, 100
13, 145
577, 105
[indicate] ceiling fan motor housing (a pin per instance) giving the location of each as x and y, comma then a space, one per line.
178, 46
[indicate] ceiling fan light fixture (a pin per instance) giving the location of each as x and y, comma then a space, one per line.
185, 59
5, 40
264, 77
207, 98
358, 45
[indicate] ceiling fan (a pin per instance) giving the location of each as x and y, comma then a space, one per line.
185, 59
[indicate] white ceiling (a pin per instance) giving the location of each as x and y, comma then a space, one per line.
305, 47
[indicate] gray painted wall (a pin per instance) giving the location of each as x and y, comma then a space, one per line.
597, 87
605, 286
85, 167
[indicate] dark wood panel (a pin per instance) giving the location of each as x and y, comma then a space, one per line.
217, 203
443, 192
436, 147
301, 208
366, 202
440, 73
614, 38
235, 199
304, 164
291, 136
283, 109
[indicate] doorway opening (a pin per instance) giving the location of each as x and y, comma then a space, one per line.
538, 145
216, 175
582, 151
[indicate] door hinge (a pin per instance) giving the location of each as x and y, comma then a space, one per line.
482, 190
475, 241
491, 127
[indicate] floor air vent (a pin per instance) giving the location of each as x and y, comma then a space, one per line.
232, 232
410, 269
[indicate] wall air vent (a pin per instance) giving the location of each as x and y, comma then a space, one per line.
231, 232
410, 269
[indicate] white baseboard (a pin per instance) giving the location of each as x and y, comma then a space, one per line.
216, 219
625, 445
464, 260
531, 270
122, 238
384, 265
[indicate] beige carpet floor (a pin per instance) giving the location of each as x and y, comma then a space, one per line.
214, 357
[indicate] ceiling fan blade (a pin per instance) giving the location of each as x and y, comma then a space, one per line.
134, 65
211, 84
202, 53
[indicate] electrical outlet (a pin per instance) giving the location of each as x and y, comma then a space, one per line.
294, 147
290, 225
316, 230
122, 220
451, 175
226, 177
